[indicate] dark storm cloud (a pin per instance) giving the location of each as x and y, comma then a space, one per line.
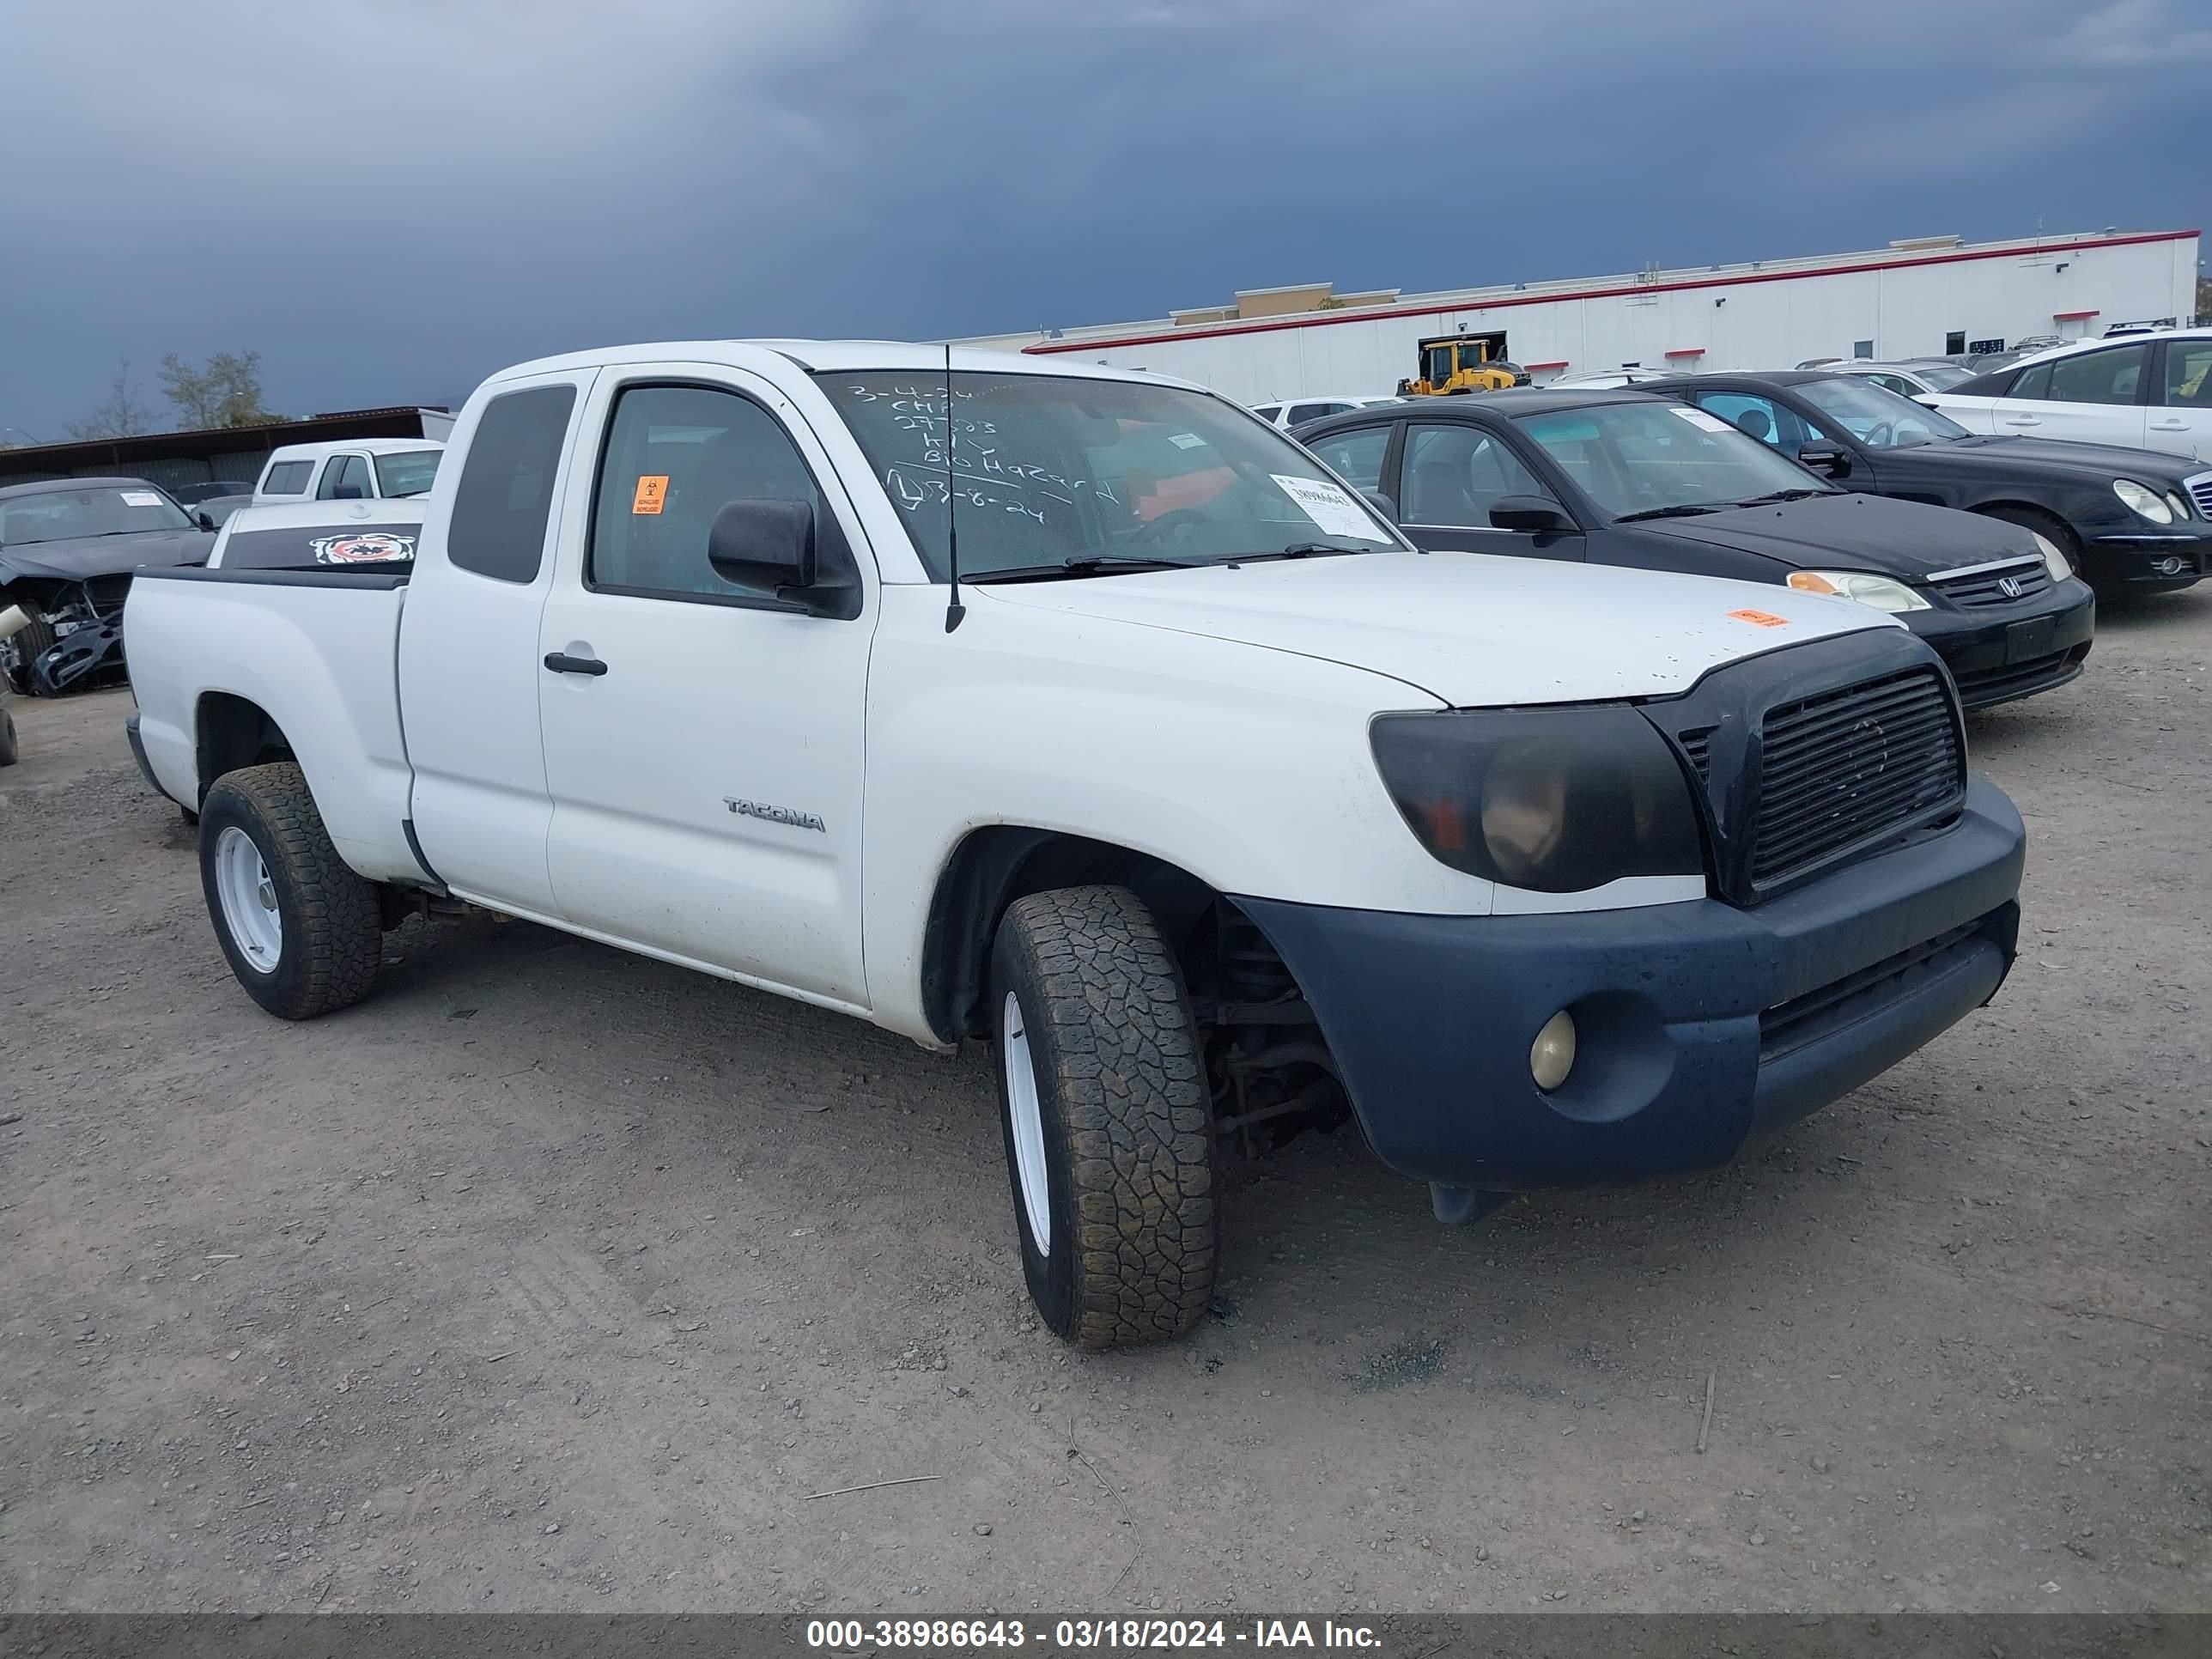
390, 199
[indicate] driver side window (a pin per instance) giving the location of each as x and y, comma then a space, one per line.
1455, 474
676, 456
1763, 418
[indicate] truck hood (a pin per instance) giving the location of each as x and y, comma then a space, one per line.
79, 558
1470, 629
1908, 540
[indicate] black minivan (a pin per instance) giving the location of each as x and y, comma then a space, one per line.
1625, 477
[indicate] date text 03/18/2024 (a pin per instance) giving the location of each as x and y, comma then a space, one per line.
853, 1635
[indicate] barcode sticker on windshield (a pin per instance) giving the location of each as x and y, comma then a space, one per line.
141, 498
1327, 507
1185, 440
1703, 422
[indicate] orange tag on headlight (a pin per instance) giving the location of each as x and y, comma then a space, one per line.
1759, 618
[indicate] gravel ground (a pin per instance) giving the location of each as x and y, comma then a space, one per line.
555, 1279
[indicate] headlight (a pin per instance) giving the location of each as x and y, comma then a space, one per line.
1882, 592
2178, 502
2055, 562
1553, 800
2143, 502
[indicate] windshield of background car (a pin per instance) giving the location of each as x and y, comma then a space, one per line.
410, 472
58, 515
1941, 377
1043, 469
1631, 458
1877, 416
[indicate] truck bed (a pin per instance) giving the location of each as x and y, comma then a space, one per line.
316, 651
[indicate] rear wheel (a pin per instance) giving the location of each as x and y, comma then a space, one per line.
7, 739
302, 932
2049, 531
1109, 1135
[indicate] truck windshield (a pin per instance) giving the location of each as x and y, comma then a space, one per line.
410, 472
60, 515
1643, 460
1048, 471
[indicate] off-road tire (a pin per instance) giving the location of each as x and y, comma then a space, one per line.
1128, 1136
2051, 529
333, 934
7, 739
31, 641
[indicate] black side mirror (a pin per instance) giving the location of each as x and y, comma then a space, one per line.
204, 518
1528, 513
1382, 504
1824, 458
777, 543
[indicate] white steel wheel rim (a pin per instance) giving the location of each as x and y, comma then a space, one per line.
1027, 1116
249, 900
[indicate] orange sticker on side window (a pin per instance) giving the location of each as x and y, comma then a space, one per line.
1757, 618
652, 491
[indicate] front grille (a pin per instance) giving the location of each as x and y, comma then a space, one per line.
2199, 491
1981, 587
107, 594
1803, 1019
1698, 746
1846, 767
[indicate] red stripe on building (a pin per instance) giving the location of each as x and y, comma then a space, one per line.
1505, 301
1687, 351
2072, 316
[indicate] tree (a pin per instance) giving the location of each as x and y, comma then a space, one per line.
225, 391
120, 416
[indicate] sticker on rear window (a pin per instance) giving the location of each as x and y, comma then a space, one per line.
141, 498
1703, 422
1327, 507
1759, 618
652, 491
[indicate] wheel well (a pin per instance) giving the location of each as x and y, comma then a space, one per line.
997, 865
233, 732
1998, 509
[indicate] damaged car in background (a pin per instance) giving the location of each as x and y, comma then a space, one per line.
68, 547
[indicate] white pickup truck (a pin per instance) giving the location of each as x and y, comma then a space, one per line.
1215, 807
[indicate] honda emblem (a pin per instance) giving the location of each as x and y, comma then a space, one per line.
2009, 587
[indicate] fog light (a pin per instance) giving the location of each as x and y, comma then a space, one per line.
1552, 1056
2171, 566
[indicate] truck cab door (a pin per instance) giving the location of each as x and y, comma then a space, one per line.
468, 674
704, 741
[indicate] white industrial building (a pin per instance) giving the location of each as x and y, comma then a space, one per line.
1918, 297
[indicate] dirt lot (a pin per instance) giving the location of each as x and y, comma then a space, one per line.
550, 1278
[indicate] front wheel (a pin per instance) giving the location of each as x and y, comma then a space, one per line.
1102, 1098
302, 932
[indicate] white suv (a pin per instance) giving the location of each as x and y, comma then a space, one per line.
2150, 390
1288, 413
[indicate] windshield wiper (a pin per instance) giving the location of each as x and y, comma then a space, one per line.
1679, 510
1796, 494
1298, 550
1094, 564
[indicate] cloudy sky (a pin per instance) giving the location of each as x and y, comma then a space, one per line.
391, 198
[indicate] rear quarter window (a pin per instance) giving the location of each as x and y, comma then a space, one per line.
286, 478
506, 493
